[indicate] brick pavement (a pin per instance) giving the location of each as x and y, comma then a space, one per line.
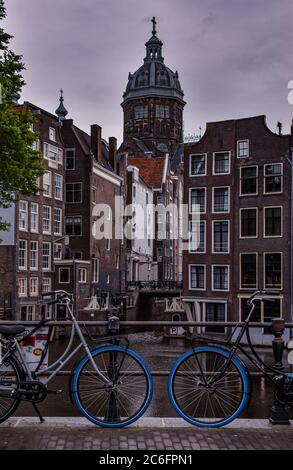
91, 438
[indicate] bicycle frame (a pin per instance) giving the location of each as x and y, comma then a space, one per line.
65, 357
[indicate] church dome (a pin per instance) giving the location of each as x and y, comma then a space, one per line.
153, 78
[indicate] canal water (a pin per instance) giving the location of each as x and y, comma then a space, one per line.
160, 353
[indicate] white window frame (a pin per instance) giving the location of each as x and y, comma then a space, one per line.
238, 142
213, 200
60, 188
70, 150
205, 199
256, 268
34, 293
264, 178
96, 270
47, 232
82, 275
205, 237
214, 159
189, 276
49, 256
264, 269
229, 235
240, 222
262, 304
240, 180
25, 212
59, 277
52, 134
59, 221
49, 194
23, 268
24, 293
205, 164
264, 222
34, 268
47, 287
81, 192
220, 266
34, 214
59, 257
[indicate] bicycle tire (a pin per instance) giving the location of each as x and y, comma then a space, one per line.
12, 363
142, 393
202, 399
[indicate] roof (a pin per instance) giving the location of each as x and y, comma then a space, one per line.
151, 169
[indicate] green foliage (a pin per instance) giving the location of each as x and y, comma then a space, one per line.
19, 164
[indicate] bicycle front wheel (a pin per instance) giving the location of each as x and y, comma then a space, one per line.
204, 391
121, 403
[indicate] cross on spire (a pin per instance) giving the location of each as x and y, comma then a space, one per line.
154, 26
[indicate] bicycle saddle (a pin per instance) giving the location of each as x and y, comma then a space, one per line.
12, 330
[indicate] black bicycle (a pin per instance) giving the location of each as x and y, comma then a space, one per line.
209, 386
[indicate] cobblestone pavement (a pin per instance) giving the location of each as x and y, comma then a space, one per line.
60, 438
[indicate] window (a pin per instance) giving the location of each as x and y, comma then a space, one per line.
108, 244
52, 134
46, 219
96, 270
58, 187
197, 198
198, 165
159, 254
273, 178
221, 163
162, 111
47, 256
70, 159
221, 200
82, 275
197, 277
34, 217
23, 215
73, 225
248, 180
243, 148
73, 192
28, 313
34, 255
108, 279
77, 255
197, 242
22, 254
221, 236
248, 271
220, 278
47, 184
273, 270
46, 284
53, 153
140, 112
64, 275
118, 263
273, 221
57, 251
22, 287
248, 223
215, 312
34, 286
57, 221
264, 312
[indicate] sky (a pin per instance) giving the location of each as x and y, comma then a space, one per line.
234, 57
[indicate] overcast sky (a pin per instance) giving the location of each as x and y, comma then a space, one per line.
234, 57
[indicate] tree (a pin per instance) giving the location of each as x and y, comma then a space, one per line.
20, 165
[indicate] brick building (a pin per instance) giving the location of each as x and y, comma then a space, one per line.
239, 175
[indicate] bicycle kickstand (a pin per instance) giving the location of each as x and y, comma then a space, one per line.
42, 420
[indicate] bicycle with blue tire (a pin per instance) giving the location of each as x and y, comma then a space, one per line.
210, 386
111, 385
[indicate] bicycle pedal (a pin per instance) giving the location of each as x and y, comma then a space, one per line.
54, 392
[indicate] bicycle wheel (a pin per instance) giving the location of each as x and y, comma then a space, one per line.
118, 405
10, 375
202, 393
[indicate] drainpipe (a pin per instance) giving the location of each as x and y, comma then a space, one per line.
290, 161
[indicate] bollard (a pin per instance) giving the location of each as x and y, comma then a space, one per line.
279, 411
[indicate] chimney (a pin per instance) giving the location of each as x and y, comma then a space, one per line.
112, 153
96, 142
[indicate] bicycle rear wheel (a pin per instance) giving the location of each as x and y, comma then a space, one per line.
10, 376
203, 392
118, 405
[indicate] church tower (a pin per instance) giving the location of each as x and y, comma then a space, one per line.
153, 103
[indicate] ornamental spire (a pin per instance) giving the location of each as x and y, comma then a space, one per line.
154, 32
61, 111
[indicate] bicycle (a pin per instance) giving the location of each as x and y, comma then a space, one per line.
209, 386
111, 385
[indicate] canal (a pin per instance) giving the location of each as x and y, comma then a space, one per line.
160, 353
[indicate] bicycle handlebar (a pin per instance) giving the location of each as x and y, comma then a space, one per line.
264, 292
